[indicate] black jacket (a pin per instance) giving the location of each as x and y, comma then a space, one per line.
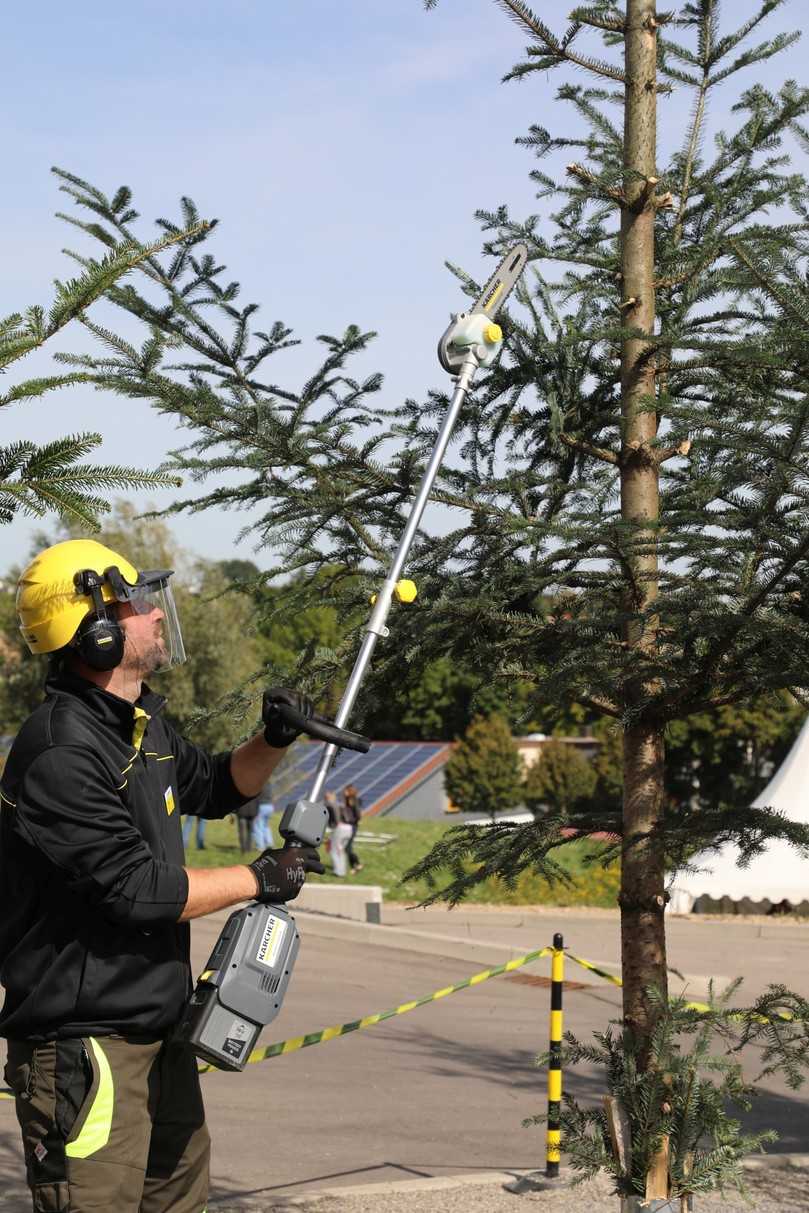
91, 864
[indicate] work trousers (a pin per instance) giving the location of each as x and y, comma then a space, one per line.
339, 839
188, 826
245, 833
262, 831
353, 858
110, 1124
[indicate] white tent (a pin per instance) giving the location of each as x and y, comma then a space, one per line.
779, 872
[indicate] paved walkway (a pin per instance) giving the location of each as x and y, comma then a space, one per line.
760, 950
777, 1188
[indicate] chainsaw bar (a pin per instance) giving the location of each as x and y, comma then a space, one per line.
502, 281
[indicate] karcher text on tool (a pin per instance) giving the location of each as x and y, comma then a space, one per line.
248, 972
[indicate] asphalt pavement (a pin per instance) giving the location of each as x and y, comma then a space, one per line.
442, 1091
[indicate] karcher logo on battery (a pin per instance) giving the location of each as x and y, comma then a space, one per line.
271, 940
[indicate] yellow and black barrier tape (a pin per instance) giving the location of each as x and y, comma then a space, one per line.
283, 1047
704, 1008
588, 964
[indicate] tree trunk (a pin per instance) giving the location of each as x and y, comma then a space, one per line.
643, 941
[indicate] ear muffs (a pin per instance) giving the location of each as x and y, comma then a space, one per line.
99, 642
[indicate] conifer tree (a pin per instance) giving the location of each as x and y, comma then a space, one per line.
484, 772
560, 778
632, 513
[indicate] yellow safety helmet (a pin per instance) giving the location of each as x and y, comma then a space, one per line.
62, 595
50, 607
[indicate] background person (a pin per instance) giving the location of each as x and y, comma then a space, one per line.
94, 898
188, 826
245, 820
351, 814
262, 830
339, 838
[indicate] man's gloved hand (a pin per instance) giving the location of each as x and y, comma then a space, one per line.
281, 873
277, 733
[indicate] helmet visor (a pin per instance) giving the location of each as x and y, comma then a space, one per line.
153, 592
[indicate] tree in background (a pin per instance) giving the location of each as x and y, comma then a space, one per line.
728, 754
608, 766
560, 779
437, 701
484, 772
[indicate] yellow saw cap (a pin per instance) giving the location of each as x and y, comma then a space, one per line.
49, 607
492, 333
406, 590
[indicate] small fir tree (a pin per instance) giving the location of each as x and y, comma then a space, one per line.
683, 1097
484, 771
560, 780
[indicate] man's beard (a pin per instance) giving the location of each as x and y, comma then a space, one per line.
150, 658
156, 656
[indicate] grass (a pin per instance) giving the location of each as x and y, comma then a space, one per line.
384, 865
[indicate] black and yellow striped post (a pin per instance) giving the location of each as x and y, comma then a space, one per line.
552, 1153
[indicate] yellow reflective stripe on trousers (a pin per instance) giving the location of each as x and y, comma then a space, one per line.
95, 1132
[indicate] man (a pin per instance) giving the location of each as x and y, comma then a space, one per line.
94, 896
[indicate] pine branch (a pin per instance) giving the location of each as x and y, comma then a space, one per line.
553, 50
35, 479
76, 295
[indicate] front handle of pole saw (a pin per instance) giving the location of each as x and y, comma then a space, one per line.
323, 730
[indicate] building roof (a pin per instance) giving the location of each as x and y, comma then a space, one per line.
387, 772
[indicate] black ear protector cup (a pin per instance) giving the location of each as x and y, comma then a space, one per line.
99, 640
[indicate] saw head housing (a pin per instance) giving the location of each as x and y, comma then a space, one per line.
475, 330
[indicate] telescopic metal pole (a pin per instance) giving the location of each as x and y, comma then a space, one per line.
376, 624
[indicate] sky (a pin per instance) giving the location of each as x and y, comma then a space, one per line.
343, 147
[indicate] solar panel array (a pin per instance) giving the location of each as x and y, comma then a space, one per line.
375, 774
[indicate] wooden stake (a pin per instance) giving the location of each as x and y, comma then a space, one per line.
620, 1132
657, 1181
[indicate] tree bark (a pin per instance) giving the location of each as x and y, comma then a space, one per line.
643, 941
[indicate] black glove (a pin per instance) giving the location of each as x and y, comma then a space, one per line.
277, 733
281, 873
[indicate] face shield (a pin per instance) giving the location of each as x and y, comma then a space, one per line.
153, 591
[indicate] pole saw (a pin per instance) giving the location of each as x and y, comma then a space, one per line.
248, 972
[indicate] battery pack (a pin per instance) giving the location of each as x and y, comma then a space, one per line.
242, 987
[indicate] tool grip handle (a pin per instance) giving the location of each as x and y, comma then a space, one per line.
323, 730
